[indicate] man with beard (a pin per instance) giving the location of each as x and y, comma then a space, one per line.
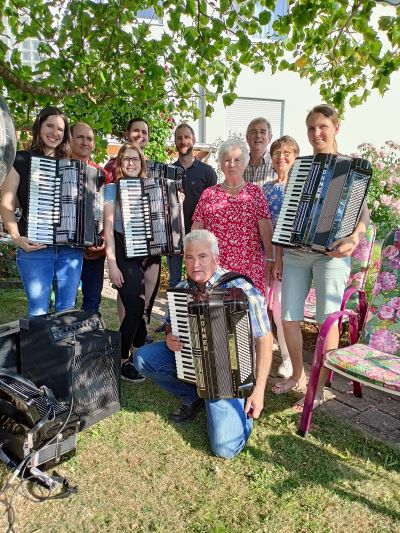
82, 146
197, 177
259, 170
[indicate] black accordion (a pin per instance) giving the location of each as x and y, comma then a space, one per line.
322, 202
218, 350
152, 214
65, 202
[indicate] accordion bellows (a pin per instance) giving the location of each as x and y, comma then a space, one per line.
323, 200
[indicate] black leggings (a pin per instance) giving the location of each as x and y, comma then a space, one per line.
152, 271
133, 326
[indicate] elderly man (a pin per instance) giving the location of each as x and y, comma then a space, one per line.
258, 136
229, 421
82, 146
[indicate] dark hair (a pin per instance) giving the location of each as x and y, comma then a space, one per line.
120, 155
184, 125
136, 119
63, 149
328, 112
285, 139
72, 127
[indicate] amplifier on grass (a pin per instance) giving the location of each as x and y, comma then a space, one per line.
74, 355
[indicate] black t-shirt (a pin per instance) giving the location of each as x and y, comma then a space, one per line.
22, 166
196, 179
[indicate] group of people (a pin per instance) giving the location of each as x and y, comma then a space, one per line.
229, 227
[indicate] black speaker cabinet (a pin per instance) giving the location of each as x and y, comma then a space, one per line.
9, 346
77, 358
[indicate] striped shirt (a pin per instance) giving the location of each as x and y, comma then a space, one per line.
257, 307
262, 174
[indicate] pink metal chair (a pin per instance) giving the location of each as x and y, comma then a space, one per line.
360, 260
373, 358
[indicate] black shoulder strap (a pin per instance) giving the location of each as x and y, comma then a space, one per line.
230, 276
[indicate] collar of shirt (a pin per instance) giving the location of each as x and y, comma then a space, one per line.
195, 163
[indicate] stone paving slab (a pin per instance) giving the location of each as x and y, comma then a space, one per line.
376, 414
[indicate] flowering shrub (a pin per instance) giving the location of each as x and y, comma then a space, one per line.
8, 267
384, 190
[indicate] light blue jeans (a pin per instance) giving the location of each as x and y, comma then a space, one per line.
227, 424
38, 269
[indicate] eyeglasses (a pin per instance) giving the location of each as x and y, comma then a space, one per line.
286, 153
128, 160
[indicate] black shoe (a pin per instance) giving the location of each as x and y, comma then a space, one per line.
149, 339
129, 373
160, 328
185, 413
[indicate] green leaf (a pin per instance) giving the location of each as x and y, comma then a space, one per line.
228, 99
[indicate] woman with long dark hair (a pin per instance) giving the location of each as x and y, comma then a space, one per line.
39, 264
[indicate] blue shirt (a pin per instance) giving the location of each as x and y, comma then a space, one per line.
274, 194
257, 306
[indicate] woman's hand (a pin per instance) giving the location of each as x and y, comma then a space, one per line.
268, 273
344, 247
173, 343
277, 269
115, 275
27, 245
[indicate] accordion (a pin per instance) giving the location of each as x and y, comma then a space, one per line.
322, 202
218, 350
152, 215
65, 202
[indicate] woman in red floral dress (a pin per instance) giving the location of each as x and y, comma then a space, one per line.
237, 213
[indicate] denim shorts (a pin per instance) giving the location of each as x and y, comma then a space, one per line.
329, 276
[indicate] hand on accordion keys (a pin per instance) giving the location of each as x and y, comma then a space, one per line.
173, 343
344, 247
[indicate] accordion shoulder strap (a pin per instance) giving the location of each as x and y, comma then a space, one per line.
230, 276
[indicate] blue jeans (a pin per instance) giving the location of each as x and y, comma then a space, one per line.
227, 424
175, 269
92, 283
38, 269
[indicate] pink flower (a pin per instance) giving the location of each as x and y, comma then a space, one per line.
395, 263
376, 204
394, 302
362, 250
386, 312
390, 252
385, 341
387, 281
382, 153
380, 165
382, 183
377, 289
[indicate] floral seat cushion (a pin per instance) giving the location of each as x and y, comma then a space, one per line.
365, 363
310, 307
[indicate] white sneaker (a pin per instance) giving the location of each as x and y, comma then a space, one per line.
285, 369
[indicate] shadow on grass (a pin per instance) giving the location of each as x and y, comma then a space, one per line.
307, 464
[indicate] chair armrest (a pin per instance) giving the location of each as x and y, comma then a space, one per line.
362, 301
320, 346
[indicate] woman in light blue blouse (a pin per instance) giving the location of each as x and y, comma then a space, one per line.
283, 153
126, 274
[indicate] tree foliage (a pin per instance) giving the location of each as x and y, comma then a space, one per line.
100, 60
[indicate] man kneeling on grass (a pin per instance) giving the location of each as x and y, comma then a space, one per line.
229, 421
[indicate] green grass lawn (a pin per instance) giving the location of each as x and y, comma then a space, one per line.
138, 472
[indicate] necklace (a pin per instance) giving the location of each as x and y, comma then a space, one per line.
234, 187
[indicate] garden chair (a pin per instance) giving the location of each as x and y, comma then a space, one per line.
374, 359
360, 260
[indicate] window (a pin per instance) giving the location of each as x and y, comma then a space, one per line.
267, 32
29, 52
243, 110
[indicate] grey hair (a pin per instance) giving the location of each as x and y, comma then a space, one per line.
257, 120
202, 235
231, 144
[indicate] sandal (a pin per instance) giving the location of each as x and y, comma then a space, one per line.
318, 400
287, 385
